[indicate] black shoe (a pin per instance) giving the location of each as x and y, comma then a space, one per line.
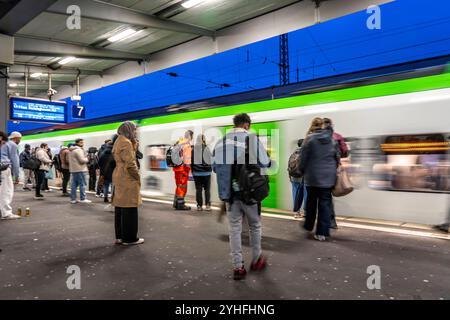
183, 208
442, 228
106, 200
39, 197
333, 224
239, 274
65, 194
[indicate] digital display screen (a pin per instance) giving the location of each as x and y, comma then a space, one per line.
33, 110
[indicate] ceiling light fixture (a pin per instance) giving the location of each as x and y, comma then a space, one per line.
66, 60
36, 75
13, 85
190, 3
122, 35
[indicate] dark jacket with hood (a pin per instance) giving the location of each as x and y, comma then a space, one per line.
106, 162
319, 159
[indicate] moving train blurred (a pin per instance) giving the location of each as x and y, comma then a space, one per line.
397, 128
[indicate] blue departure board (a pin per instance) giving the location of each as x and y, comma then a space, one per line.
35, 110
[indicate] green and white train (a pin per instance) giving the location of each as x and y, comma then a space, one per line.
398, 133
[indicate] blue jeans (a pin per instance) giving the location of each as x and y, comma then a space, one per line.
299, 195
78, 179
106, 185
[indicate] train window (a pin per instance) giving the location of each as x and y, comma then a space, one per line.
157, 157
413, 163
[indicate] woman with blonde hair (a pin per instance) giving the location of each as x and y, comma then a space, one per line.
316, 124
126, 178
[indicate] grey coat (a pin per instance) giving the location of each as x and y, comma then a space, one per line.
319, 159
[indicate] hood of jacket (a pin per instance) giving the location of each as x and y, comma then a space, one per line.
324, 136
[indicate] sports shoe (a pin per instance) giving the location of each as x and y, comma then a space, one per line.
140, 241
97, 195
259, 264
118, 241
26, 189
319, 237
39, 197
297, 215
239, 274
73, 201
208, 207
85, 201
199, 208
11, 217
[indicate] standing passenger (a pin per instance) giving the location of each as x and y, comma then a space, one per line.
298, 186
182, 171
25, 157
319, 160
343, 148
65, 168
127, 186
78, 169
107, 164
201, 171
42, 156
229, 158
9, 160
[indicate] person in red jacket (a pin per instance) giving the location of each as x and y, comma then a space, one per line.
343, 149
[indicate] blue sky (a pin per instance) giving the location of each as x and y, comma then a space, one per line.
410, 30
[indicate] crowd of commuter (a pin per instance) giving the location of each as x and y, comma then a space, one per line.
239, 161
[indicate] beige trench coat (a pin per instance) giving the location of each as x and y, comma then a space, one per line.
126, 176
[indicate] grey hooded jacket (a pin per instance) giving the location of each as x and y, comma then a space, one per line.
319, 159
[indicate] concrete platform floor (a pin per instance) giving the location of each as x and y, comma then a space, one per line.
186, 256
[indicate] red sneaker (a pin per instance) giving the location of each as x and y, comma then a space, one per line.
259, 264
239, 274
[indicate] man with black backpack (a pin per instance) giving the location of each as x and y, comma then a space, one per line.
296, 178
239, 160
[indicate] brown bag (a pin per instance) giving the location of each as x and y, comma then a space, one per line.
343, 185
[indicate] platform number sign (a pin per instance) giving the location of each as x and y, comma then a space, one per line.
78, 112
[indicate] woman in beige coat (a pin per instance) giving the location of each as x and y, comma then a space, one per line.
127, 186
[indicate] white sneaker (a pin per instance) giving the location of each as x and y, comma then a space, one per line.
11, 217
140, 241
319, 237
74, 201
85, 201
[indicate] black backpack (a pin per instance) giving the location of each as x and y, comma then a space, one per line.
254, 186
294, 165
32, 163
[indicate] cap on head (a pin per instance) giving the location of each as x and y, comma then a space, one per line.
15, 134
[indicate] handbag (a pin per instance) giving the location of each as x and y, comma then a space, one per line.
343, 184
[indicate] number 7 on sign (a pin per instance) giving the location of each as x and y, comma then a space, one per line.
80, 110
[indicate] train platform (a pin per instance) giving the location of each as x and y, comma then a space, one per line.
186, 256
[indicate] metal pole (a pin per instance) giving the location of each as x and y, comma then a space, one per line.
3, 99
26, 81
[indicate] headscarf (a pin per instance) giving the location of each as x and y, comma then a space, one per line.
128, 130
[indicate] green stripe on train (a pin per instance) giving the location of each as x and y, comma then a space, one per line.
371, 91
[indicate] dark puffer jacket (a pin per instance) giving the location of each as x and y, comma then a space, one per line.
107, 163
319, 159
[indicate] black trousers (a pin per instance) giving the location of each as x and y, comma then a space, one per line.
39, 176
203, 183
92, 179
65, 179
44, 185
126, 224
318, 203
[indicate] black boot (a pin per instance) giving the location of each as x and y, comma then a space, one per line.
180, 204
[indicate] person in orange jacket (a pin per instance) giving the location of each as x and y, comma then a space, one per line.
182, 171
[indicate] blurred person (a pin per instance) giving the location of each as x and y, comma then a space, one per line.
298, 186
201, 171
9, 175
107, 164
101, 178
237, 143
127, 185
65, 168
319, 160
78, 161
92, 167
24, 158
48, 173
343, 149
46, 161
182, 171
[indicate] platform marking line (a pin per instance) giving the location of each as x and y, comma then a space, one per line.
423, 234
